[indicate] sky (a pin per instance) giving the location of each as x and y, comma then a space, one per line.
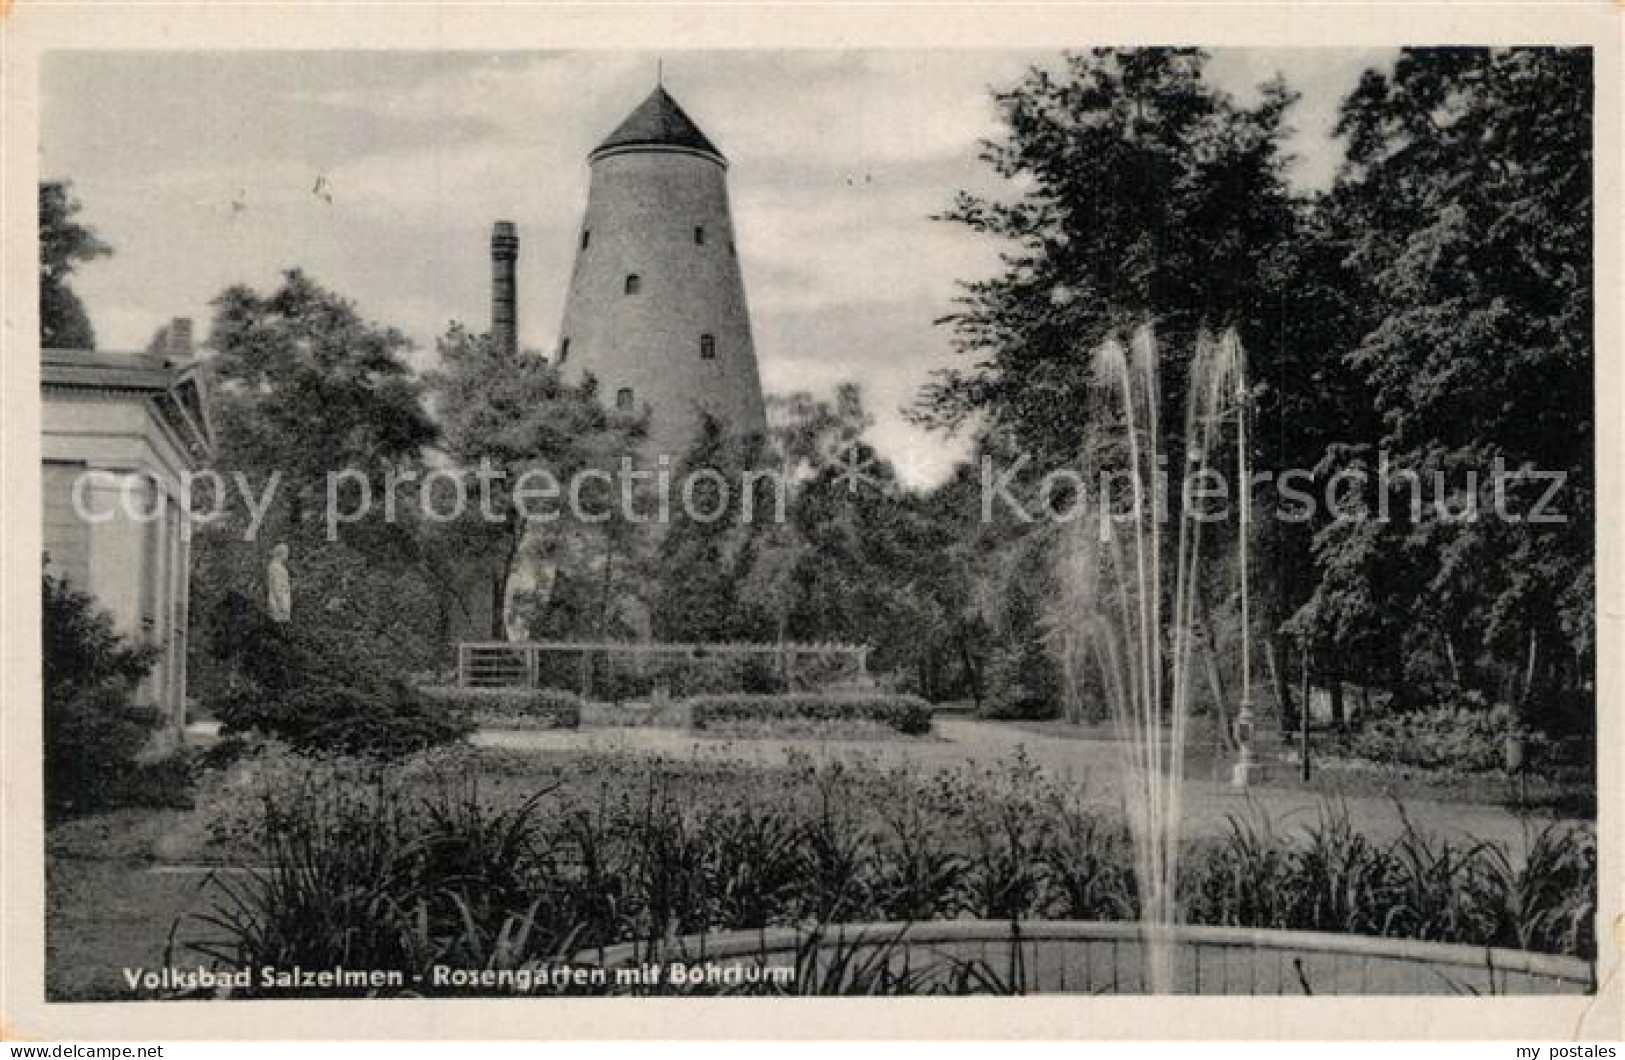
379, 173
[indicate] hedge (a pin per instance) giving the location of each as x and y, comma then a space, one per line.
510, 708
296, 684
909, 715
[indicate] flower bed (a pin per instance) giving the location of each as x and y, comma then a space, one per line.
472, 856
1467, 737
510, 708
909, 715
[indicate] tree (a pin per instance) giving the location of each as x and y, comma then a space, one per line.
308, 397
65, 244
868, 554
1466, 199
704, 552
1146, 195
517, 417
804, 433
857, 557
304, 386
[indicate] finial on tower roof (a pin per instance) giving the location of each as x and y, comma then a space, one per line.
658, 122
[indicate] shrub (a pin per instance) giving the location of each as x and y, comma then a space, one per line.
761, 676
352, 879
670, 714
751, 869
612, 683
1545, 901
509, 708
1023, 683
685, 677
93, 741
1088, 866
1466, 736
291, 684
94, 730
384, 719
682, 678
81, 649
909, 715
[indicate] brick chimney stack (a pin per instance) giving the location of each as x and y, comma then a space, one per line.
173, 342
180, 338
504, 299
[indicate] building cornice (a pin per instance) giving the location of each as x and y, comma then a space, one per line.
655, 149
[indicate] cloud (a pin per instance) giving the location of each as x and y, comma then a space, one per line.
1323, 76
863, 244
202, 170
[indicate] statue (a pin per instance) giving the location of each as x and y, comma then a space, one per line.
278, 589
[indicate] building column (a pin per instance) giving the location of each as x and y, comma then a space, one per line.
174, 609
183, 608
154, 578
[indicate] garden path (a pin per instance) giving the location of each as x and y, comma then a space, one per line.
1093, 763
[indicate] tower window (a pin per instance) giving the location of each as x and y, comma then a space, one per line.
564, 349
623, 399
699, 235
586, 237
708, 347
634, 283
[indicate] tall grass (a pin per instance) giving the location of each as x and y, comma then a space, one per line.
339, 889
1330, 877
1546, 901
380, 874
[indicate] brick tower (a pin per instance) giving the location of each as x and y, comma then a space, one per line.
656, 306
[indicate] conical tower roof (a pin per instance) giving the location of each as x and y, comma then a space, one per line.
658, 122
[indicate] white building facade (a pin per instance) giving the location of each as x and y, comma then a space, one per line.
121, 434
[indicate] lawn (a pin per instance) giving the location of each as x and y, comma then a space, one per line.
110, 901
1333, 775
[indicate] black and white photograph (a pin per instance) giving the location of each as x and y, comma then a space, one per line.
762, 522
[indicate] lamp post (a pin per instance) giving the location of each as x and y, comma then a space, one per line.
1241, 771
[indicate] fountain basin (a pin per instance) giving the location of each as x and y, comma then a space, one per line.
1095, 957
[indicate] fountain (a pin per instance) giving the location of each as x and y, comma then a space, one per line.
1116, 620
1113, 590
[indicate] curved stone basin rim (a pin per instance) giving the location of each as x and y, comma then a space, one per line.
783, 941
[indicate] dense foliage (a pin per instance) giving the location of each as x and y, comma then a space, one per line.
1427, 318
1470, 737
514, 416
283, 682
65, 244
320, 431
95, 732
1466, 201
